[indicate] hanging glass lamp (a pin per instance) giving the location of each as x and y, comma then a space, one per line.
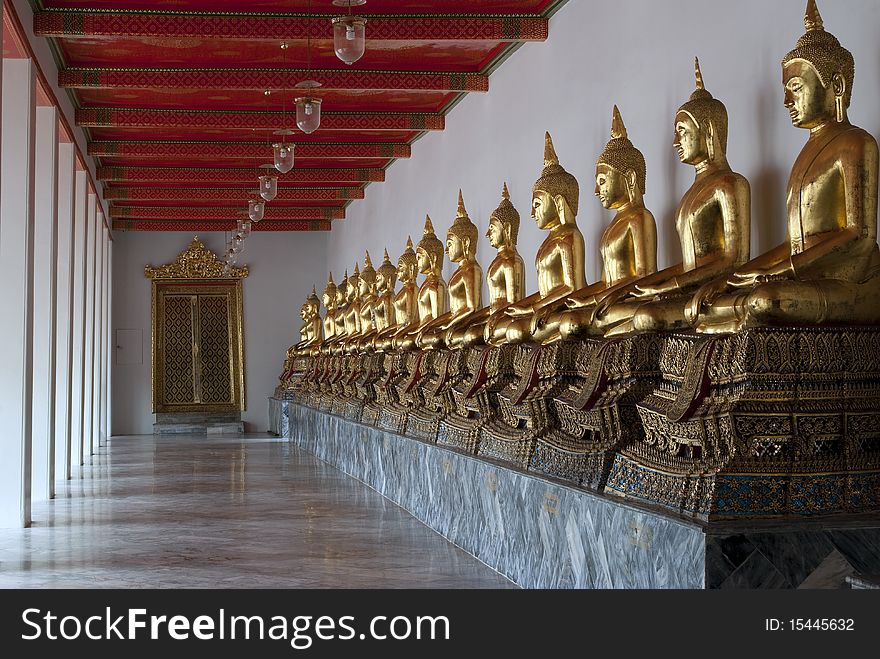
308, 113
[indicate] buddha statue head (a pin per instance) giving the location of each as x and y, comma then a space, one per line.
503, 223
304, 311
620, 170
701, 126
313, 303
817, 75
329, 296
555, 193
353, 289
386, 275
407, 264
461, 239
429, 252
367, 279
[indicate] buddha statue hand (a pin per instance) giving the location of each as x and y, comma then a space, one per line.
705, 297
651, 289
517, 311
580, 302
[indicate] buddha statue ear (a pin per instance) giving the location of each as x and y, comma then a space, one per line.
710, 140
631, 184
838, 84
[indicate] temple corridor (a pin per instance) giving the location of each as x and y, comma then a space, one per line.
249, 511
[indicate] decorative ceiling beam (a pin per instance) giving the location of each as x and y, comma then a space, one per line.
228, 195
202, 213
201, 176
221, 150
210, 120
262, 79
79, 24
265, 225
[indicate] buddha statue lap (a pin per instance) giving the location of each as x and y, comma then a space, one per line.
404, 303
432, 293
560, 258
506, 275
628, 245
465, 285
712, 220
828, 270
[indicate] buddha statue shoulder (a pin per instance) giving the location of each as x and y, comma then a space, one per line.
713, 222
828, 270
404, 303
560, 258
432, 295
465, 285
628, 245
506, 275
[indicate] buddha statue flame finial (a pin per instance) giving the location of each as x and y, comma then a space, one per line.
812, 18
368, 263
368, 274
462, 211
505, 193
698, 75
554, 179
620, 153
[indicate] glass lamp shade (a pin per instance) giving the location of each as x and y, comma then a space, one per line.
269, 184
243, 227
231, 257
349, 38
308, 113
283, 159
256, 208
236, 243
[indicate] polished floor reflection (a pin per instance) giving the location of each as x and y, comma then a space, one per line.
229, 512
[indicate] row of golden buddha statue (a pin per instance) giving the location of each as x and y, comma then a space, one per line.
686, 386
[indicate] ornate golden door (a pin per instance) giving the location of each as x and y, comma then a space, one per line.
198, 354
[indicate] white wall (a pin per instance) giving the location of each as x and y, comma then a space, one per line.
639, 55
283, 267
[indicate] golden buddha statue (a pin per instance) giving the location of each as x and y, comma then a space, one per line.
383, 304
432, 292
828, 270
310, 332
560, 258
353, 304
329, 300
628, 245
713, 222
465, 285
367, 298
338, 315
506, 275
405, 302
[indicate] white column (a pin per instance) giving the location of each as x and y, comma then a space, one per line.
98, 334
108, 349
111, 338
88, 327
45, 227
79, 286
16, 291
64, 318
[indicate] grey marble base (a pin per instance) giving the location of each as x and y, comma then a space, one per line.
198, 423
544, 534
278, 419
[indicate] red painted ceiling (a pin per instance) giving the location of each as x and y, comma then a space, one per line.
171, 96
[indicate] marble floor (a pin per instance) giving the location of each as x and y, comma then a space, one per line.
249, 511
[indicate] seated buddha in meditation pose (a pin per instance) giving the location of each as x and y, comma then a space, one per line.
366, 298
506, 275
405, 302
628, 245
310, 332
560, 258
465, 285
328, 298
383, 303
828, 270
712, 221
432, 293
